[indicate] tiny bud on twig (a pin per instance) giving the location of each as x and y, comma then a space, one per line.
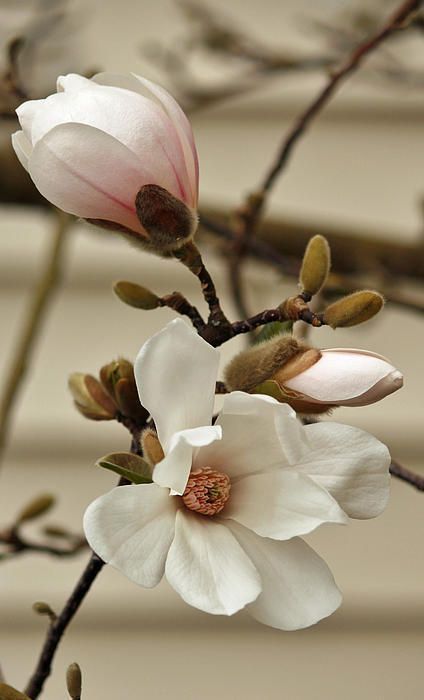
36, 508
42, 608
74, 681
315, 266
353, 309
136, 296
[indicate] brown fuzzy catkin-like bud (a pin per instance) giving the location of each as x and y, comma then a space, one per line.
315, 266
74, 681
152, 449
353, 309
259, 363
168, 222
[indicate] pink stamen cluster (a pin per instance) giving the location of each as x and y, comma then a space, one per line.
207, 491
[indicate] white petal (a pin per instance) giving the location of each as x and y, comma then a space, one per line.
132, 528
174, 112
26, 113
298, 588
281, 504
258, 435
208, 568
351, 464
176, 373
22, 148
174, 470
341, 375
87, 173
72, 82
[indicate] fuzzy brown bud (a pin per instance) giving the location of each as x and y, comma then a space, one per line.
74, 681
118, 379
36, 508
152, 449
353, 309
315, 265
90, 397
168, 221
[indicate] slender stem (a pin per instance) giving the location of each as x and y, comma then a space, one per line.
58, 627
405, 474
36, 312
181, 305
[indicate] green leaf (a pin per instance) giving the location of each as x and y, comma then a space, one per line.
272, 329
128, 465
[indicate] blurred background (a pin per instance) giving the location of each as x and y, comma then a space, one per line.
358, 172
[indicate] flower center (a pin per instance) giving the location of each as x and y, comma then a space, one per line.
207, 491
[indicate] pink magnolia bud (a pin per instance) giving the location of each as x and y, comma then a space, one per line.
94, 144
347, 377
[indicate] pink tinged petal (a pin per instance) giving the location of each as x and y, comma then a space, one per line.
175, 372
208, 568
347, 377
173, 471
281, 504
351, 464
135, 121
85, 172
132, 528
258, 435
22, 147
298, 588
177, 117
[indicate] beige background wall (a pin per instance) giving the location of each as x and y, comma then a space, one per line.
362, 163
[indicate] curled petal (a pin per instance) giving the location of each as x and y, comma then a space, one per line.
175, 372
298, 588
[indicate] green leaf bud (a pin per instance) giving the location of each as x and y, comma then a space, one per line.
353, 309
136, 296
315, 266
36, 508
74, 681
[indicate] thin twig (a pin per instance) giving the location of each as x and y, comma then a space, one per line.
181, 305
405, 474
17, 544
43, 295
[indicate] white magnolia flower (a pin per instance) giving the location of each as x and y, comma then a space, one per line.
229, 501
347, 377
94, 144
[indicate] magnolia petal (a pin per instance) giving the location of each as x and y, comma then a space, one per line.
26, 113
175, 372
22, 148
351, 464
72, 82
340, 376
258, 435
85, 172
132, 528
298, 588
208, 568
281, 504
173, 471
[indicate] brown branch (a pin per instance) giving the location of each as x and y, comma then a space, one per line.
406, 475
17, 544
181, 305
35, 316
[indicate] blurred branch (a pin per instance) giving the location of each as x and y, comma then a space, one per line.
17, 544
35, 315
404, 474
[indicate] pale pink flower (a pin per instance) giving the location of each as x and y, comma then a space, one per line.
347, 377
90, 147
228, 502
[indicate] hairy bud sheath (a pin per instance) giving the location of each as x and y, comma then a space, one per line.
310, 380
74, 681
89, 161
353, 309
315, 266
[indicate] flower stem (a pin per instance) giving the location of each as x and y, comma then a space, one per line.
43, 295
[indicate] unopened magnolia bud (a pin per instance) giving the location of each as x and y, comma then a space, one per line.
90, 398
259, 363
353, 309
168, 222
152, 449
36, 508
118, 379
9, 693
315, 265
136, 296
344, 377
74, 681
42, 608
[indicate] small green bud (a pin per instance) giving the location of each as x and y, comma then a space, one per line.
353, 309
36, 508
74, 681
42, 608
90, 397
315, 266
128, 465
9, 693
135, 295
